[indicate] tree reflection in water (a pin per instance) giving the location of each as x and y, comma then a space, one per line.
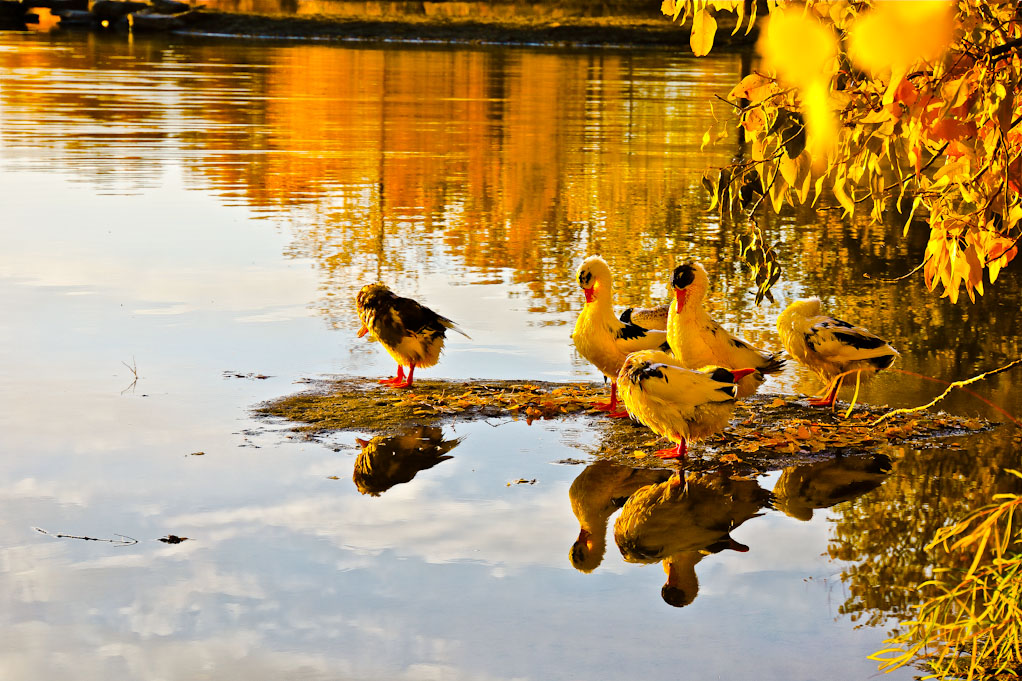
883, 535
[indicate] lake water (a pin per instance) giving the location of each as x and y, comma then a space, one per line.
201, 213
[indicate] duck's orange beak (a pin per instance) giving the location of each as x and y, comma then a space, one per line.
680, 296
363, 330
739, 374
590, 293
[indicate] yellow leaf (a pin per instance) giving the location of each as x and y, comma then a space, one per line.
779, 402
704, 26
754, 88
801, 48
897, 35
639, 454
843, 198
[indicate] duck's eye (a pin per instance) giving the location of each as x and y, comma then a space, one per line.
584, 278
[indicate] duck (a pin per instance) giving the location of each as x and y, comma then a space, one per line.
388, 460
682, 520
830, 347
697, 340
412, 333
595, 495
652, 318
677, 403
602, 338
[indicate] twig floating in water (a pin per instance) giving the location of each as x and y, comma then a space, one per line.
123, 541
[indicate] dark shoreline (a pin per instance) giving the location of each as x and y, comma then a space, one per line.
623, 29
618, 32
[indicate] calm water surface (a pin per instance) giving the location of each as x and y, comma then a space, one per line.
204, 212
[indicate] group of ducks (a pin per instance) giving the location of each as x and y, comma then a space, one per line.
675, 369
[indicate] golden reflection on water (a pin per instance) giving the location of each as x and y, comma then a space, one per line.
508, 166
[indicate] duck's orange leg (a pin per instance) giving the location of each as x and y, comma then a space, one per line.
395, 380
612, 408
828, 399
408, 383
673, 452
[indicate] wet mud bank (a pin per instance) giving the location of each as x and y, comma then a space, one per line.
767, 432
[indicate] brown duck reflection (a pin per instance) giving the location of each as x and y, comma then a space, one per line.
682, 520
388, 460
600, 490
802, 489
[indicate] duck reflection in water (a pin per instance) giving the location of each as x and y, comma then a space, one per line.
802, 489
600, 490
682, 520
388, 460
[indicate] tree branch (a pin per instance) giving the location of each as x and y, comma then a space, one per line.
952, 386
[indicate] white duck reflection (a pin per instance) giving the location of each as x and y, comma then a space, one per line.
802, 489
682, 520
600, 490
388, 460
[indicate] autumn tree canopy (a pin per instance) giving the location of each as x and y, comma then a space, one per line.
886, 105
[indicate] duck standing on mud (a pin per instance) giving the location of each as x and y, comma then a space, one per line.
601, 337
831, 347
678, 403
412, 333
698, 340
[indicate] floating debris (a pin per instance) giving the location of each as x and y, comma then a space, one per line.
122, 540
172, 539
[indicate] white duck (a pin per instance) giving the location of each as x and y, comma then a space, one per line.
698, 341
412, 333
598, 491
831, 347
601, 337
677, 403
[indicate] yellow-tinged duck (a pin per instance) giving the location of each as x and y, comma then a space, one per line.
412, 333
698, 341
600, 490
677, 403
831, 347
602, 338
